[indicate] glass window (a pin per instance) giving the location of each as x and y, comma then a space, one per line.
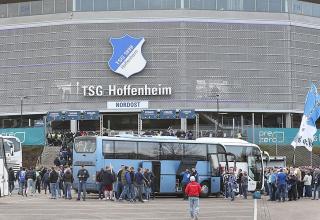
125, 149
239, 152
87, 5
274, 6
69, 5
13, 10
114, 5
187, 3
127, 4
168, 4
108, 149
171, 151
155, 4
61, 6
215, 148
48, 7
1, 148
24, 9
210, 4
196, 4
78, 5
148, 150
249, 5
83, 145
100, 5
3, 10
195, 151
222, 5
141, 4
262, 5
15, 143
36, 8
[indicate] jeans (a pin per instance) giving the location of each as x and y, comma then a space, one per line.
282, 191
119, 189
11, 186
132, 191
194, 206
270, 190
67, 189
125, 192
53, 187
21, 187
308, 191
315, 189
29, 186
147, 192
82, 186
244, 191
140, 191
231, 191
100, 189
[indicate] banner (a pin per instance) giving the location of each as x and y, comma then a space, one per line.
27, 136
305, 136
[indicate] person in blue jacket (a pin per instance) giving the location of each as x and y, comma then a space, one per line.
185, 180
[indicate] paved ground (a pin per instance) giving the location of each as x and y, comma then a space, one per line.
41, 207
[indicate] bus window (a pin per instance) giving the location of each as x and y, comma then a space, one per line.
239, 152
215, 148
125, 150
171, 151
214, 161
108, 149
85, 146
1, 148
148, 150
16, 144
195, 151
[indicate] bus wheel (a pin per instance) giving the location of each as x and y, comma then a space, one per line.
205, 190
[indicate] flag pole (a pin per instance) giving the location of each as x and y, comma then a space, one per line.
294, 156
311, 158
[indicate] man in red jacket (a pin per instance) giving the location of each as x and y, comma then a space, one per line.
193, 191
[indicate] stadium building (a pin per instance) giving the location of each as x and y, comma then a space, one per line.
230, 64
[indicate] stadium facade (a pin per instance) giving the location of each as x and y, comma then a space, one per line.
252, 60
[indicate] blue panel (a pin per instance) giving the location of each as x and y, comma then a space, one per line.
73, 115
203, 168
215, 184
27, 136
91, 115
188, 114
147, 165
168, 183
169, 166
168, 114
54, 116
149, 114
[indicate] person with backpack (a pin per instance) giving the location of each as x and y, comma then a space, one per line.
30, 177
82, 175
22, 180
11, 179
316, 187
272, 185
292, 187
67, 180
193, 190
232, 184
46, 182
119, 182
108, 178
99, 183
139, 183
126, 182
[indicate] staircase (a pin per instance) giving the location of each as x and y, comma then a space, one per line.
48, 155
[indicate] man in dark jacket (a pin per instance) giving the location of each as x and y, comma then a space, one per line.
11, 180
139, 183
67, 180
108, 179
83, 175
53, 178
99, 183
185, 180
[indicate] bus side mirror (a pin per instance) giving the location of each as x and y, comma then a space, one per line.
12, 150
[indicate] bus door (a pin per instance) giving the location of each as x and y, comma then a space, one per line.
215, 168
252, 173
89, 162
155, 167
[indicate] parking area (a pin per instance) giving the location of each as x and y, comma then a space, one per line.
41, 207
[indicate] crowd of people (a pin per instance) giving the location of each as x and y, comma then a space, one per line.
293, 183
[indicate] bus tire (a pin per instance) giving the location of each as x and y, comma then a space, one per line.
205, 189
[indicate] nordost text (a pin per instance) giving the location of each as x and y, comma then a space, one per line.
126, 90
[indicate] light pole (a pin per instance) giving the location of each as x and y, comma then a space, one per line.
217, 123
21, 109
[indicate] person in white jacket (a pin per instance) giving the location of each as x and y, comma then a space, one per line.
307, 185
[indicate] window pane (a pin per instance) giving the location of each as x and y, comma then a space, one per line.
100, 5
168, 4
262, 5
87, 5
141, 4
195, 151
148, 150
239, 152
48, 7
69, 5
85, 145
36, 8
274, 6
61, 6
210, 4
171, 151
125, 150
127, 5
24, 9
155, 4
186, 3
222, 5
114, 5
3, 11
196, 4
13, 10
108, 149
78, 5
1, 148
212, 149
249, 5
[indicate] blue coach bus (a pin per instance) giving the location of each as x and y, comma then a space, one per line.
166, 157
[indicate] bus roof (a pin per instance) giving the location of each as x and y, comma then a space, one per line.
14, 137
225, 141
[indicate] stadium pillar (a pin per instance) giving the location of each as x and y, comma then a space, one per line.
74, 126
184, 124
288, 120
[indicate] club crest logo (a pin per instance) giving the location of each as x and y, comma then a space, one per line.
127, 57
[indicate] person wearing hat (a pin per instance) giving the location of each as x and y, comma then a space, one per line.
193, 190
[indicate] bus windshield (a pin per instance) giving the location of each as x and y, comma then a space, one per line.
16, 144
85, 145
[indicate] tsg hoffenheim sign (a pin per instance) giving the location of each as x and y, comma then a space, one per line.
127, 57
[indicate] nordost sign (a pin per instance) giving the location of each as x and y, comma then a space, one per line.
127, 57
